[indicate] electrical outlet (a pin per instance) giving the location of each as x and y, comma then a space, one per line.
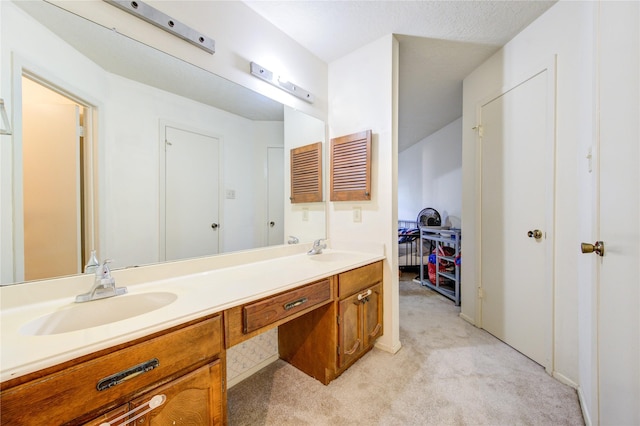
357, 214
231, 194
305, 214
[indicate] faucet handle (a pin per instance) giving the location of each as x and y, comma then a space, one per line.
104, 272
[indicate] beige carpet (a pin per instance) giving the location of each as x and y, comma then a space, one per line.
447, 373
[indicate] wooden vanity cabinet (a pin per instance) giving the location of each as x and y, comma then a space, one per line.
115, 417
245, 321
325, 342
185, 362
359, 313
193, 399
360, 323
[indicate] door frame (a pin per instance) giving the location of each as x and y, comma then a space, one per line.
550, 182
162, 185
11, 222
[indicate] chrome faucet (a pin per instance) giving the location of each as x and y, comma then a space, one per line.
104, 285
317, 247
293, 240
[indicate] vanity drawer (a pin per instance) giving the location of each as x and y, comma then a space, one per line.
351, 282
268, 311
119, 374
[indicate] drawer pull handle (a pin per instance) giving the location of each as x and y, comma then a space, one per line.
153, 403
129, 373
295, 303
365, 294
376, 330
354, 348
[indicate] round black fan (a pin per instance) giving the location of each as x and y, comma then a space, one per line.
429, 217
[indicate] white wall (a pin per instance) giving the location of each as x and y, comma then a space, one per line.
355, 106
430, 175
564, 30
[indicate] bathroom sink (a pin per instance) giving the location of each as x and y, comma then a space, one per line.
80, 316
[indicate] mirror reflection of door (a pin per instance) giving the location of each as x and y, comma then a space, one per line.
192, 168
275, 195
52, 185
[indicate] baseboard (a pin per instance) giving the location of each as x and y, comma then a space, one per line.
391, 349
564, 379
583, 406
467, 318
251, 371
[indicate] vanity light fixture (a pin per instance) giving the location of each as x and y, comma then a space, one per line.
280, 82
6, 126
161, 20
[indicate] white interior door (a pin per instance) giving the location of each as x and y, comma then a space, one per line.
618, 343
275, 195
192, 170
516, 289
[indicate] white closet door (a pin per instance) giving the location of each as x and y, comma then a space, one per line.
275, 195
192, 194
516, 289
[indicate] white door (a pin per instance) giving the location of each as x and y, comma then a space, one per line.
516, 287
191, 194
275, 196
618, 289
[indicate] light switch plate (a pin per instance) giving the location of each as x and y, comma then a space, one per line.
357, 214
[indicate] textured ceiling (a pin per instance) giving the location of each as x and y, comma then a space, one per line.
440, 43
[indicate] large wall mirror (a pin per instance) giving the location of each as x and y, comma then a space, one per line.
121, 148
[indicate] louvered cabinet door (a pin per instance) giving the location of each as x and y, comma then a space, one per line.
351, 167
306, 173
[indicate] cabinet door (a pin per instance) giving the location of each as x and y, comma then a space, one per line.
373, 315
193, 399
350, 330
113, 418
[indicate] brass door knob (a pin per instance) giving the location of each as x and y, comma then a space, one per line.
597, 248
536, 233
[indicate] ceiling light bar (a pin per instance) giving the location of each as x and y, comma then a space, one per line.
268, 76
164, 21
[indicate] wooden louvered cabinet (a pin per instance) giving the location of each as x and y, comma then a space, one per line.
306, 173
350, 176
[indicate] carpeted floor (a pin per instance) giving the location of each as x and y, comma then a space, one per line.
447, 373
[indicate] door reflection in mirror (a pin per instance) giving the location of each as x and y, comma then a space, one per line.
50, 222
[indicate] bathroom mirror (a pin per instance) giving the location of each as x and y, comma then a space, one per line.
137, 107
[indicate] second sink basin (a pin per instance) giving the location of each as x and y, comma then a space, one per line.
80, 316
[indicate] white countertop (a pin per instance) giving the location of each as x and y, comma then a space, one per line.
199, 294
